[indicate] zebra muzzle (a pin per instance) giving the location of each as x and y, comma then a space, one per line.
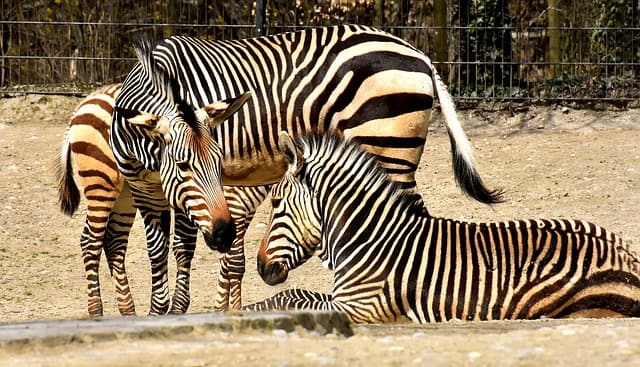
221, 237
272, 272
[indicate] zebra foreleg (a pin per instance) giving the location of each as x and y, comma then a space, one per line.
242, 202
157, 224
184, 246
232, 268
294, 299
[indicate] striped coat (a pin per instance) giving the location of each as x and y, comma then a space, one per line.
391, 261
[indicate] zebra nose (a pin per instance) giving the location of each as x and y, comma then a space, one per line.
221, 237
272, 272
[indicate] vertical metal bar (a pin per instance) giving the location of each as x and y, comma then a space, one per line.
378, 14
261, 14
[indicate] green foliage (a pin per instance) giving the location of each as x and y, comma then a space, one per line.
486, 39
613, 40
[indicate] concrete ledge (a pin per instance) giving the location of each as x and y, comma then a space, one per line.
59, 332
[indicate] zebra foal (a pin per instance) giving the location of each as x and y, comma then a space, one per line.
392, 261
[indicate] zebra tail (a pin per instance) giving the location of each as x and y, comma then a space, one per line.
68, 193
464, 165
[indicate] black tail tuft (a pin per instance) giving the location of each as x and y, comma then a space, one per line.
68, 193
470, 182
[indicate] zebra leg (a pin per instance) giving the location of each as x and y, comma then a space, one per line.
294, 299
242, 202
91, 245
157, 224
184, 246
101, 199
232, 268
115, 248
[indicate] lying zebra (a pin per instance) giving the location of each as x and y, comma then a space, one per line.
392, 262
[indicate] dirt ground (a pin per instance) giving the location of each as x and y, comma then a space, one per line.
551, 162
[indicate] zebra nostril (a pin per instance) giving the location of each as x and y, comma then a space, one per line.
272, 273
221, 237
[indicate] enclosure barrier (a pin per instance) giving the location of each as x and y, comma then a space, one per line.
490, 50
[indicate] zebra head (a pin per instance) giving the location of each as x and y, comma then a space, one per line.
190, 171
174, 141
294, 231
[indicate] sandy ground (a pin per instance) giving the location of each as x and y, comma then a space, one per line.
552, 162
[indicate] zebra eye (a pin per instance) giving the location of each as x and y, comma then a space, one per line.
276, 201
183, 165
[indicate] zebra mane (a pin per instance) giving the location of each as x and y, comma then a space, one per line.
321, 148
163, 84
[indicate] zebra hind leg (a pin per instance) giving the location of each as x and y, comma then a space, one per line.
91, 245
119, 226
115, 249
157, 224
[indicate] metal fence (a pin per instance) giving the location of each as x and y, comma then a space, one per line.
498, 50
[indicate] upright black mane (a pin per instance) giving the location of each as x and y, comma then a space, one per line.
164, 84
322, 147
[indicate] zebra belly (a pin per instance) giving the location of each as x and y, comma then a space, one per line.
254, 171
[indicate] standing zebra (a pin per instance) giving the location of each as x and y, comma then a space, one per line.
361, 83
391, 261
172, 139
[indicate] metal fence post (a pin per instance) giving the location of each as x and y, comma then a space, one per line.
261, 14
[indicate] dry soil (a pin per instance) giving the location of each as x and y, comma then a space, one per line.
551, 162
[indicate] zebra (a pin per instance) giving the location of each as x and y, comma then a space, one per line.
191, 180
359, 82
393, 262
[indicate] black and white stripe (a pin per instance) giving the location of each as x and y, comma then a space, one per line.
392, 261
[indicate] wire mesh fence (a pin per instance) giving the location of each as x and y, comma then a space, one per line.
497, 50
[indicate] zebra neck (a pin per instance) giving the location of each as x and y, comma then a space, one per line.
386, 227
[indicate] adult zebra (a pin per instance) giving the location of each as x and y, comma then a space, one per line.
362, 83
391, 261
173, 152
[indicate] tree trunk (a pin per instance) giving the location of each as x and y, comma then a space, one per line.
441, 36
555, 41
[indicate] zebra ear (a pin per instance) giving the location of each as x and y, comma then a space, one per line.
286, 145
158, 123
215, 113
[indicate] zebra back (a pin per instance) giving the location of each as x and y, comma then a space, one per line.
359, 82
